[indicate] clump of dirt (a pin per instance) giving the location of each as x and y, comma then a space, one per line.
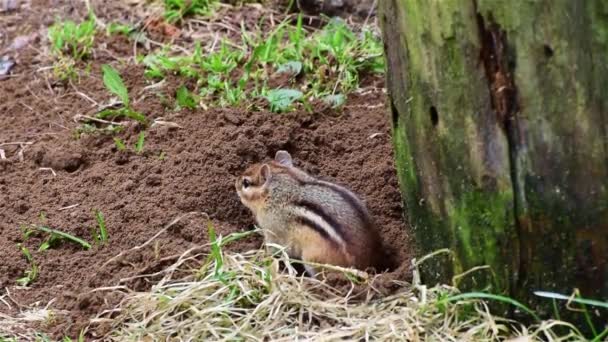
59, 179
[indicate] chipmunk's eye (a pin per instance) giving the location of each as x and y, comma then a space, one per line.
246, 183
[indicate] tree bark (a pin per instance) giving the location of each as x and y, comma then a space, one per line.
500, 135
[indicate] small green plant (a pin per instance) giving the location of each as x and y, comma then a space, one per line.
324, 65
120, 145
184, 98
282, 99
216, 256
139, 145
71, 43
116, 28
31, 273
71, 39
80, 337
56, 236
176, 10
100, 236
115, 84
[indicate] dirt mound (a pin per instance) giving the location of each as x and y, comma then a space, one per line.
58, 176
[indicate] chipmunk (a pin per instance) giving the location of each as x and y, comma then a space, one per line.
317, 221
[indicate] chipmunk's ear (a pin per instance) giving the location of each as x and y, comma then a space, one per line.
283, 158
265, 174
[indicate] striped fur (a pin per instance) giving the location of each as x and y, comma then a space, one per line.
299, 210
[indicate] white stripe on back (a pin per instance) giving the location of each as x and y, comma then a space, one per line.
320, 222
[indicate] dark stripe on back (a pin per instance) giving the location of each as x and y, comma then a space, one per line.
348, 197
311, 224
317, 209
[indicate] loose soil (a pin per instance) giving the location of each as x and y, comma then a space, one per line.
59, 180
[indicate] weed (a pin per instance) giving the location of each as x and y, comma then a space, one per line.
176, 10
70, 43
101, 234
115, 28
71, 39
87, 128
483, 295
576, 298
56, 236
184, 98
120, 145
324, 65
30, 274
80, 337
115, 84
334, 101
139, 145
282, 99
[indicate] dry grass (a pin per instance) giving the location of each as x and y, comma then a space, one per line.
232, 296
245, 297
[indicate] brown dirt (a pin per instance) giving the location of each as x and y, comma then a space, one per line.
140, 194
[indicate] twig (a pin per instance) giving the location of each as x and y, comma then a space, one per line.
80, 117
69, 207
19, 143
48, 169
160, 122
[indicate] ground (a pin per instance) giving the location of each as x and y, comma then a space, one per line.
55, 175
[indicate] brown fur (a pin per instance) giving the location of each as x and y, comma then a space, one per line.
278, 191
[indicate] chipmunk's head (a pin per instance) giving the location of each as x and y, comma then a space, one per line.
253, 186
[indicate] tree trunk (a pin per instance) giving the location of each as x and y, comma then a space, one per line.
500, 134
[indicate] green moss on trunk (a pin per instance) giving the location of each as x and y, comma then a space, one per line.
500, 135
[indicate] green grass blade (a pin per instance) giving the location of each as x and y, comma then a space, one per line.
579, 300
66, 236
101, 223
499, 298
114, 83
120, 145
600, 337
216, 251
184, 98
236, 236
139, 145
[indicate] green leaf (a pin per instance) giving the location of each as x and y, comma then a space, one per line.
293, 68
26, 252
185, 98
114, 83
65, 236
216, 251
139, 145
114, 28
281, 99
103, 232
125, 112
335, 101
44, 246
120, 145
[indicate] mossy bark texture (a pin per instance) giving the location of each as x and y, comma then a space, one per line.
500, 124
